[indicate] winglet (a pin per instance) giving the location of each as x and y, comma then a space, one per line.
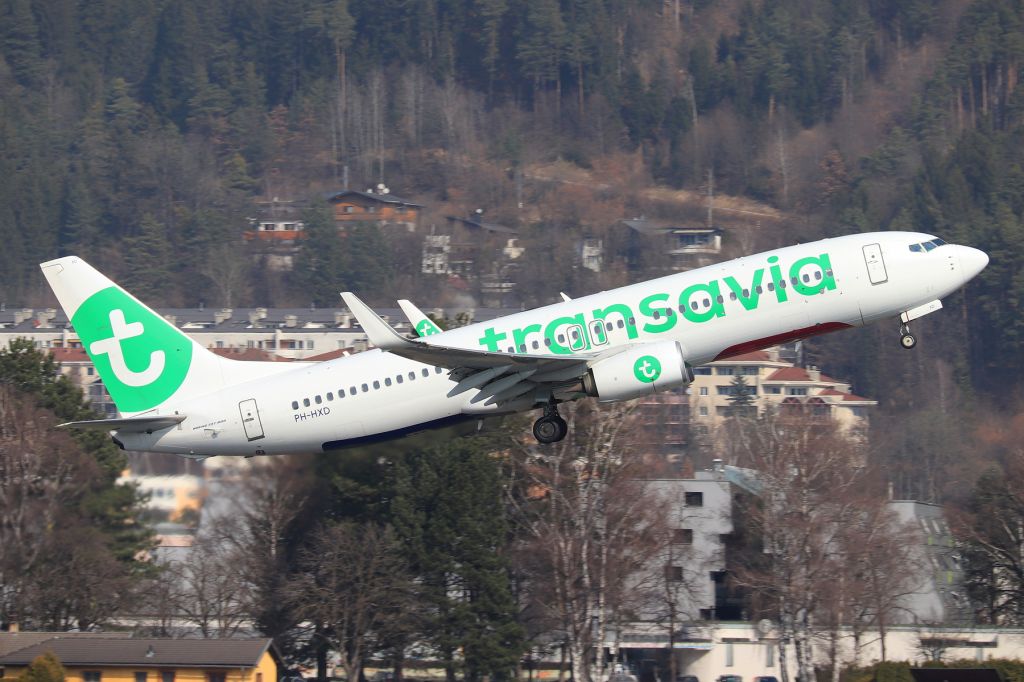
423, 325
377, 330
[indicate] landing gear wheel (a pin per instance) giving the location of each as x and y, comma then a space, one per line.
550, 428
907, 340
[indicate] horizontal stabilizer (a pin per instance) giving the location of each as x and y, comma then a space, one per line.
129, 424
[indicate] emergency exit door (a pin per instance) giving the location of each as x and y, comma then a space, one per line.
875, 263
251, 419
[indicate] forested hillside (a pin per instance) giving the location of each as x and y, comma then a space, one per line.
139, 132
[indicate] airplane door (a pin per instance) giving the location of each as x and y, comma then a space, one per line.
876, 265
251, 419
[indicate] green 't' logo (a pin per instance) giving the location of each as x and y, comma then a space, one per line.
647, 369
140, 357
426, 327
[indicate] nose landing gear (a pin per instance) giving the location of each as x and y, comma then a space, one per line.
550, 428
907, 340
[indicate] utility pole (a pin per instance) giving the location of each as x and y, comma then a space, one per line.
711, 198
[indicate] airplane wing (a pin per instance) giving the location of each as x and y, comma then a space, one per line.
129, 425
499, 376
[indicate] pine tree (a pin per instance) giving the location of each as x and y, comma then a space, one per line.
318, 271
444, 510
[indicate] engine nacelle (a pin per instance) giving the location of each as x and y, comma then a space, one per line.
639, 371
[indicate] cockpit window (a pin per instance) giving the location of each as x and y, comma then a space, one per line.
927, 246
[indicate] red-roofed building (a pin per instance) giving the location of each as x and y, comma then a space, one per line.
76, 366
772, 381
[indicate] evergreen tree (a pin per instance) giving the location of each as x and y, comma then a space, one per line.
320, 263
44, 668
445, 511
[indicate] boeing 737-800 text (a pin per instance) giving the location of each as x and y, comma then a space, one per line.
175, 396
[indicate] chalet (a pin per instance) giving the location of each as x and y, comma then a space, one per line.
379, 207
686, 246
127, 659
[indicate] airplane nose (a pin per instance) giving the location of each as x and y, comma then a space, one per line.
972, 261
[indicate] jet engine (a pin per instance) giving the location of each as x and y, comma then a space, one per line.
638, 371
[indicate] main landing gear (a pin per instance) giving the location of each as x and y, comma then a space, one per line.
907, 340
550, 428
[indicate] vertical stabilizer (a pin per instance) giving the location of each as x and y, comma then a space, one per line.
145, 361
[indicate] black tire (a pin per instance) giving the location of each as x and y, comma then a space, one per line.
546, 430
563, 428
908, 341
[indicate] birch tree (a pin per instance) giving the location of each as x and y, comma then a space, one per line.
586, 521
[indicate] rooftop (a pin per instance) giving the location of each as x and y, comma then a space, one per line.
74, 649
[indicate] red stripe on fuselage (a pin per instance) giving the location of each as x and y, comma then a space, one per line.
786, 337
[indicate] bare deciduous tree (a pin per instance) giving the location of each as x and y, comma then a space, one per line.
353, 584
588, 526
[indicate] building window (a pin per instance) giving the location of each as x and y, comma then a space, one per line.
140, 677
703, 390
749, 370
773, 390
682, 536
167, 676
703, 371
703, 411
729, 655
674, 574
91, 676
796, 391
695, 499
769, 655
216, 677
724, 371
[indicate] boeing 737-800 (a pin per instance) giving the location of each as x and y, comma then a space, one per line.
173, 395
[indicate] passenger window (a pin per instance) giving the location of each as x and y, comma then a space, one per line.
807, 278
305, 401
426, 372
720, 298
758, 289
746, 293
561, 338
782, 284
829, 273
609, 326
632, 322
547, 341
732, 295
693, 304
438, 370
657, 315
522, 348
620, 324
318, 400
352, 390
707, 302
330, 396
511, 349
376, 385
669, 312
341, 394
295, 404
771, 287
682, 308
366, 388
399, 378
817, 274
387, 381
795, 281
535, 344
412, 376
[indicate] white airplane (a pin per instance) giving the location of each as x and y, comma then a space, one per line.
175, 396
